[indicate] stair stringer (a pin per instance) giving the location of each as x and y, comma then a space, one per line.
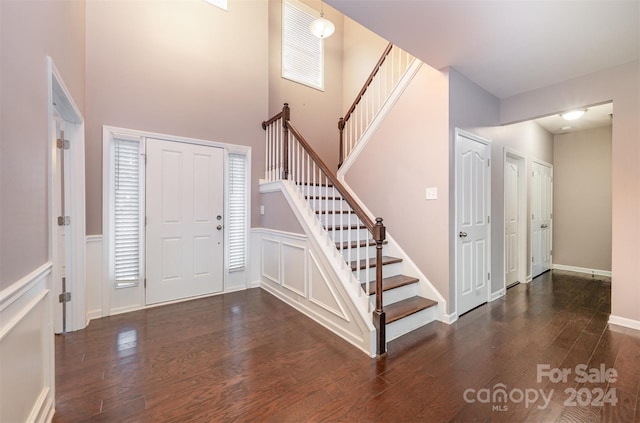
386, 107
335, 272
408, 267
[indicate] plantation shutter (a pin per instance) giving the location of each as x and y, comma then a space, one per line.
127, 220
302, 52
237, 211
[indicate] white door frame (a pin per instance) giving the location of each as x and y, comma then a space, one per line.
522, 214
122, 300
458, 133
61, 102
549, 165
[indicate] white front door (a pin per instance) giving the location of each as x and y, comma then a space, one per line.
184, 205
541, 218
511, 220
473, 228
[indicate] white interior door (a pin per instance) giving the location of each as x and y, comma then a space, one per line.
184, 207
541, 218
511, 220
473, 209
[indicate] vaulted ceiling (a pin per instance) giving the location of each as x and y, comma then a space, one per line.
507, 46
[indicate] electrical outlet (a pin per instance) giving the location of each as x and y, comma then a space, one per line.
262, 210
432, 193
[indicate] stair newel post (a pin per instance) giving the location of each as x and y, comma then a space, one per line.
286, 115
341, 129
379, 316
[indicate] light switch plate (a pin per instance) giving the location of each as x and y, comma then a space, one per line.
432, 193
262, 210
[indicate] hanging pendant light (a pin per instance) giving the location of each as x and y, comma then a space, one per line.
321, 27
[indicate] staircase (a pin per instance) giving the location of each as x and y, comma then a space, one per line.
405, 309
383, 283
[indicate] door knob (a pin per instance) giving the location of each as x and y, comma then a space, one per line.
462, 234
219, 227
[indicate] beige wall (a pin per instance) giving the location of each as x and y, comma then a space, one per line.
391, 174
314, 113
278, 214
181, 68
29, 32
582, 199
622, 85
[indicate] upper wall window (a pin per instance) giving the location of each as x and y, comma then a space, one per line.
302, 52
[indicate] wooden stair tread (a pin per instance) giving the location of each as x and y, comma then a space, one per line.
404, 308
391, 282
372, 262
316, 184
371, 243
334, 212
321, 197
344, 227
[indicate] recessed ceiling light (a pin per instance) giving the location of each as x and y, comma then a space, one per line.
565, 128
573, 114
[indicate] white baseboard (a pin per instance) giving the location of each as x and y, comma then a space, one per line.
623, 321
448, 318
576, 269
498, 294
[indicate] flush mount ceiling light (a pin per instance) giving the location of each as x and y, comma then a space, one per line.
573, 114
321, 27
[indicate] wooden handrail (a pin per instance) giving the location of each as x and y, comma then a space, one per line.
343, 120
375, 70
334, 180
269, 121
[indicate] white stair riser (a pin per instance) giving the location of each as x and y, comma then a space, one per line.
397, 294
318, 191
411, 322
387, 271
363, 253
319, 204
350, 235
338, 220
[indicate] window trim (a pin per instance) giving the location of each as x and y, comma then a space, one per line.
315, 14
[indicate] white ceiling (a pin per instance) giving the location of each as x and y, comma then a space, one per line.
595, 117
507, 46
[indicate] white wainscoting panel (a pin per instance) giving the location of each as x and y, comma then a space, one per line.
270, 260
321, 293
27, 387
293, 268
295, 273
94, 256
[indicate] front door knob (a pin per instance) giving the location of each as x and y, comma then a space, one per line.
219, 227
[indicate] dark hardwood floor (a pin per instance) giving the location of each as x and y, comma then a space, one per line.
246, 356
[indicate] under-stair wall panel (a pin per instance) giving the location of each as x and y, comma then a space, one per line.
295, 272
